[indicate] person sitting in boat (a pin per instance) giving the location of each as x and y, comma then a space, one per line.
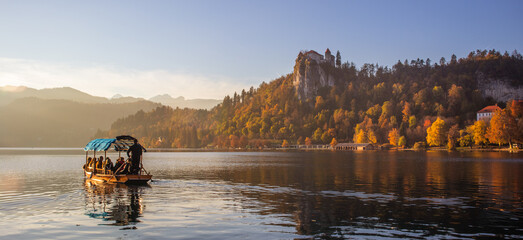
99, 164
128, 166
118, 164
136, 151
92, 163
108, 165
121, 166
87, 165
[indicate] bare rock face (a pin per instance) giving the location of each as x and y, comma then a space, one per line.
499, 89
309, 76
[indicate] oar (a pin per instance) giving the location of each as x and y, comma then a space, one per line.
114, 173
141, 167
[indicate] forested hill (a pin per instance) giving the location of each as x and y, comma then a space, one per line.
321, 101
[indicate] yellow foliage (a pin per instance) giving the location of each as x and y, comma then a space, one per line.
334, 142
394, 136
437, 133
361, 137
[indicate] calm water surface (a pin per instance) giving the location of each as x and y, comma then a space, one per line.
267, 195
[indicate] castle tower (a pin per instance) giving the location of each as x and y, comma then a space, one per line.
328, 57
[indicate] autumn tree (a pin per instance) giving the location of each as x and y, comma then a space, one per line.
234, 141
437, 133
452, 137
372, 137
300, 140
320, 102
465, 137
502, 128
412, 121
516, 108
326, 137
361, 137
316, 136
394, 136
364, 131
455, 99
333, 142
308, 141
479, 132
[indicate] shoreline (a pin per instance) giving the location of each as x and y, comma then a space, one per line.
459, 149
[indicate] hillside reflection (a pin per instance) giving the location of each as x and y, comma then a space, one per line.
117, 204
432, 194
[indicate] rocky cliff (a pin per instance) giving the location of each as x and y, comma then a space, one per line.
500, 90
309, 76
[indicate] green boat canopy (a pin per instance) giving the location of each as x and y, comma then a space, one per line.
120, 143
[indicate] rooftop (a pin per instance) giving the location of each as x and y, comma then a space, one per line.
312, 52
488, 109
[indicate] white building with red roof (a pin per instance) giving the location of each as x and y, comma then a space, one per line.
487, 112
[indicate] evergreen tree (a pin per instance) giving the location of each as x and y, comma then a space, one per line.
338, 59
453, 59
442, 61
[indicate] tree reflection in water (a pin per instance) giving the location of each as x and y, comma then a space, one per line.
385, 193
114, 202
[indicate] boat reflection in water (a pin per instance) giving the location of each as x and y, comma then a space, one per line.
116, 203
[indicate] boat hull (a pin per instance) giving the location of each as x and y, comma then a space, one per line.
122, 178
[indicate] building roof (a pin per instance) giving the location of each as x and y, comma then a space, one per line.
313, 52
488, 109
327, 51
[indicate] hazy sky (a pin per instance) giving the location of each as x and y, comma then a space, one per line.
207, 49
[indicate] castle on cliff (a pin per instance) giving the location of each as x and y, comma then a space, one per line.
308, 78
314, 56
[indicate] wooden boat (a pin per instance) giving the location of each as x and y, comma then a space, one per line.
119, 178
120, 144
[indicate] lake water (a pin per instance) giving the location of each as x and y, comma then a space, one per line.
267, 195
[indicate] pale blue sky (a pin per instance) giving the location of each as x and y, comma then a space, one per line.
212, 48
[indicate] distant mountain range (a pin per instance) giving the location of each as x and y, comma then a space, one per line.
10, 93
66, 117
181, 102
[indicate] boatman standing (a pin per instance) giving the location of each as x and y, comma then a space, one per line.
136, 155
